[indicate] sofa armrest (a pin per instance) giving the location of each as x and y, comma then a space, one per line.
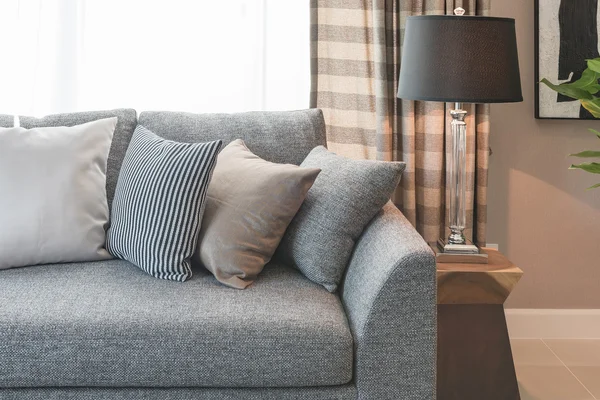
389, 294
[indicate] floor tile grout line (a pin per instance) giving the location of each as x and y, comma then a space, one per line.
568, 369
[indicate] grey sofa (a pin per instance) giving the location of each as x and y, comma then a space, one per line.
106, 330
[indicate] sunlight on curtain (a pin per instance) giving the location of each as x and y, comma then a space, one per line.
197, 56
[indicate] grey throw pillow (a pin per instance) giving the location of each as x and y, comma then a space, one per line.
53, 205
249, 205
344, 198
159, 203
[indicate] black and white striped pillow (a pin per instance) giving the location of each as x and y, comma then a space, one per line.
159, 203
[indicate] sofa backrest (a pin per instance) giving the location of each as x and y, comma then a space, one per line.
277, 136
127, 121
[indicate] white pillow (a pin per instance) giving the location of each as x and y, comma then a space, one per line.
53, 205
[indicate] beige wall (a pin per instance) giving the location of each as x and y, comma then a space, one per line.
539, 211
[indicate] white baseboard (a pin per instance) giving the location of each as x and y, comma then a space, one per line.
553, 324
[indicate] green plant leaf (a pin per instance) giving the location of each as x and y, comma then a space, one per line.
593, 168
592, 89
597, 185
568, 90
586, 154
593, 106
594, 64
595, 132
588, 81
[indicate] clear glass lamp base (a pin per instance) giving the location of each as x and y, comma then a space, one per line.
456, 248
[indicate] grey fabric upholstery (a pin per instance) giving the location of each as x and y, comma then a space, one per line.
345, 392
126, 123
344, 198
109, 324
279, 136
6, 121
390, 299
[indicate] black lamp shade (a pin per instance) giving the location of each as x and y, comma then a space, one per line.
460, 59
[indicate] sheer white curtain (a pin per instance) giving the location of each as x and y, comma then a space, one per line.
184, 55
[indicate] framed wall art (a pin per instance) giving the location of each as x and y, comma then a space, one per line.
566, 36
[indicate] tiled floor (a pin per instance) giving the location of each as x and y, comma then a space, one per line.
557, 369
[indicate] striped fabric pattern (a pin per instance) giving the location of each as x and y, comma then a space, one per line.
355, 63
159, 202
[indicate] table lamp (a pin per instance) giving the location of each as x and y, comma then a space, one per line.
459, 59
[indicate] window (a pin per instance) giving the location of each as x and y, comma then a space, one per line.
183, 55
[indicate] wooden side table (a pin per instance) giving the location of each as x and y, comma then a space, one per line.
474, 358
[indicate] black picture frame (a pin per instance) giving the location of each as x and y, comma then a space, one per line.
536, 51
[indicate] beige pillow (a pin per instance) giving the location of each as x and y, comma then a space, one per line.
249, 205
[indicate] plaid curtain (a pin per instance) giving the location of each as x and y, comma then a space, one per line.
355, 63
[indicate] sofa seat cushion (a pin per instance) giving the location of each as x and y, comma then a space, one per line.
108, 324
